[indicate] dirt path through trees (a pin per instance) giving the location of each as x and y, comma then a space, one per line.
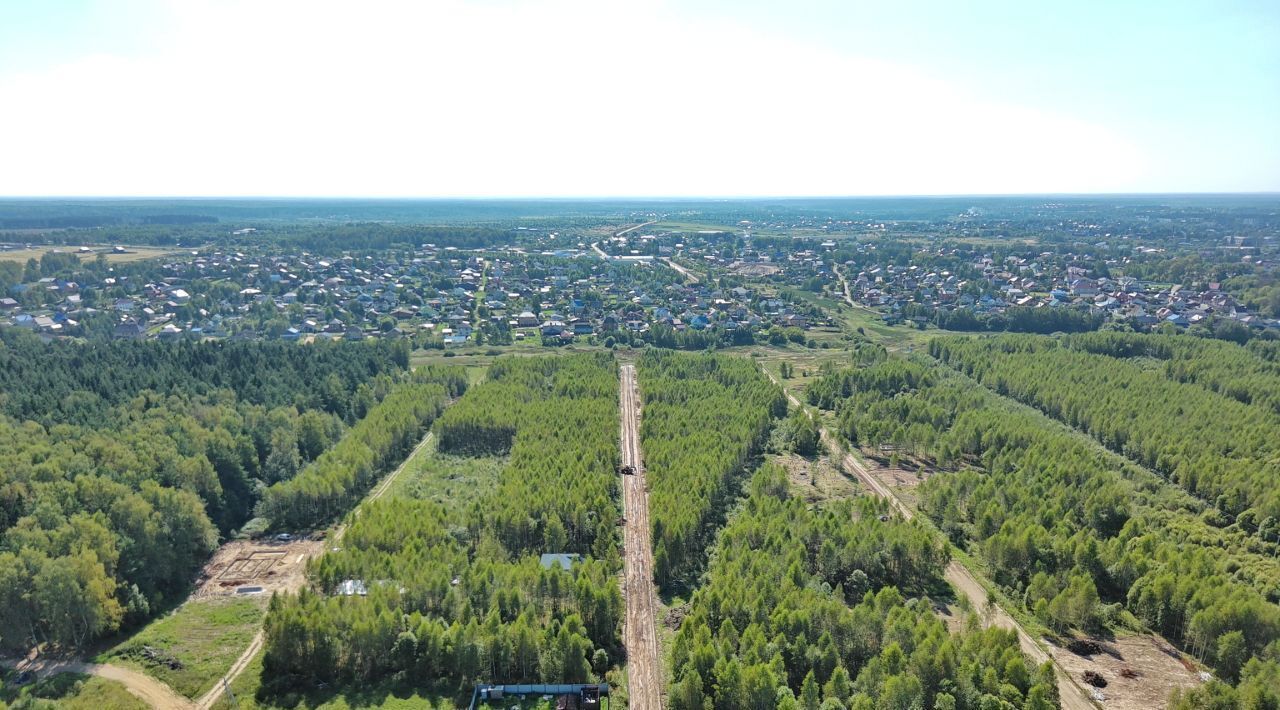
219, 688
210, 698
692, 277
1072, 696
644, 663
385, 484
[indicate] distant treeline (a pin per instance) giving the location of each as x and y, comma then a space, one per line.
74, 383
995, 213
89, 221
311, 237
1018, 319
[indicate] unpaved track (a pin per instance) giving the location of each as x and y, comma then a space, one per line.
212, 696
215, 693
144, 687
1072, 696
638, 226
644, 665
692, 277
385, 484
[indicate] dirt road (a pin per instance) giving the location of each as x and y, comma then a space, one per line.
144, 687
848, 297
385, 484
1073, 697
644, 664
215, 693
693, 278
209, 699
638, 226
601, 253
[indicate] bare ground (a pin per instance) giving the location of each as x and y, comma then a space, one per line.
1158, 666
144, 687
644, 663
272, 565
818, 479
952, 615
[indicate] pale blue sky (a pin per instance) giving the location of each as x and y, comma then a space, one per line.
570, 97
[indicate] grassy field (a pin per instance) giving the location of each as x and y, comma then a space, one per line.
869, 324
755, 229
446, 479
132, 253
428, 475
205, 635
68, 691
478, 358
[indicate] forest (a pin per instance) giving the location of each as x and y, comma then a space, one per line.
1015, 319
456, 594
1200, 412
807, 608
182, 230
1082, 537
122, 464
705, 417
338, 478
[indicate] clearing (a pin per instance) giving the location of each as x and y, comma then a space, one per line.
817, 479
272, 565
129, 254
644, 663
1158, 669
447, 479
191, 648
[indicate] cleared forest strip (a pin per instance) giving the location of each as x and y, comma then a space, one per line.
644, 663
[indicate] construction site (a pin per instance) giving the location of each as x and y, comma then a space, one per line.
257, 567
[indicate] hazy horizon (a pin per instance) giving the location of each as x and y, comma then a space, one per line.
635, 197
499, 99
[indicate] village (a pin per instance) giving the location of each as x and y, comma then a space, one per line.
971, 288
992, 288
438, 297
671, 284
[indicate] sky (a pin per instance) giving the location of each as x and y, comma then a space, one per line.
582, 98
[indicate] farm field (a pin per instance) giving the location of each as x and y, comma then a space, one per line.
130, 253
